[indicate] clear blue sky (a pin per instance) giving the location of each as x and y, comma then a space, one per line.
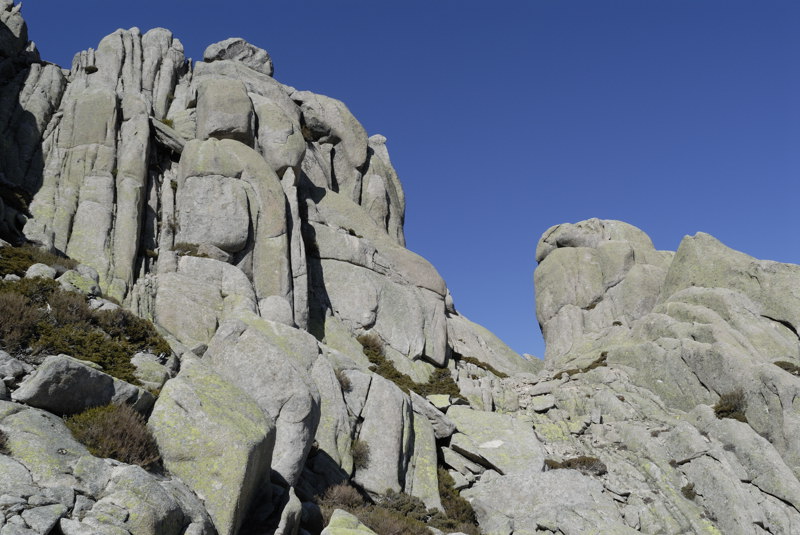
505, 118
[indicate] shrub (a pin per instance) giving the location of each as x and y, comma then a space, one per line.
440, 382
457, 508
732, 405
790, 367
341, 496
597, 363
3, 443
360, 452
91, 345
118, 432
18, 322
482, 365
17, 260
125, 326
344, 381
387, 522
41, 318
591, 466
688, 491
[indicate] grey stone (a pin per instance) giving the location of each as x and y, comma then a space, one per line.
44, 519
499, 441
443, 427
224, 111
271, 362
387, 432
64, 385
213, 436
40, 270
238, 49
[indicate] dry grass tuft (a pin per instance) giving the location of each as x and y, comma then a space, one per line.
732, 405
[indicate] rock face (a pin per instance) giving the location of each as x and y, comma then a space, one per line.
261, 229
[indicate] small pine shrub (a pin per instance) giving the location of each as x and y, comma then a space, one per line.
591, 466
790, 367
118, 432
688, 491
732, 405
440, 382
360, 452
39, 318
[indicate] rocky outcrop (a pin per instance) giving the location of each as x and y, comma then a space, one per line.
260, 228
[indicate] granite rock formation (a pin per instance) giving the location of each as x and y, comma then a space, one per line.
260, 229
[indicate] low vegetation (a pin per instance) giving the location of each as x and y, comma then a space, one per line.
3, 443
591, 466
732, 405
40, 318
117, 432
790, 367
482, 365
188, 249
395, 514
360, 452
17, 260
688, 491
599, 362
440, 382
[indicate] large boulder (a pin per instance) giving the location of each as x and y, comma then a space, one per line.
216, 439
238, 49
272, 362
64, 385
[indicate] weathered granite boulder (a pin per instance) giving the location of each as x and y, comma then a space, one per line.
64, 385
217, 440
240, 50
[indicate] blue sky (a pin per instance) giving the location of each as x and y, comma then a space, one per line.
505, 118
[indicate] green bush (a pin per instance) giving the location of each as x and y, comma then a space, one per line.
118, 432
440, 382
360, 452
40, 318
732, 405
17, 260
458, 510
